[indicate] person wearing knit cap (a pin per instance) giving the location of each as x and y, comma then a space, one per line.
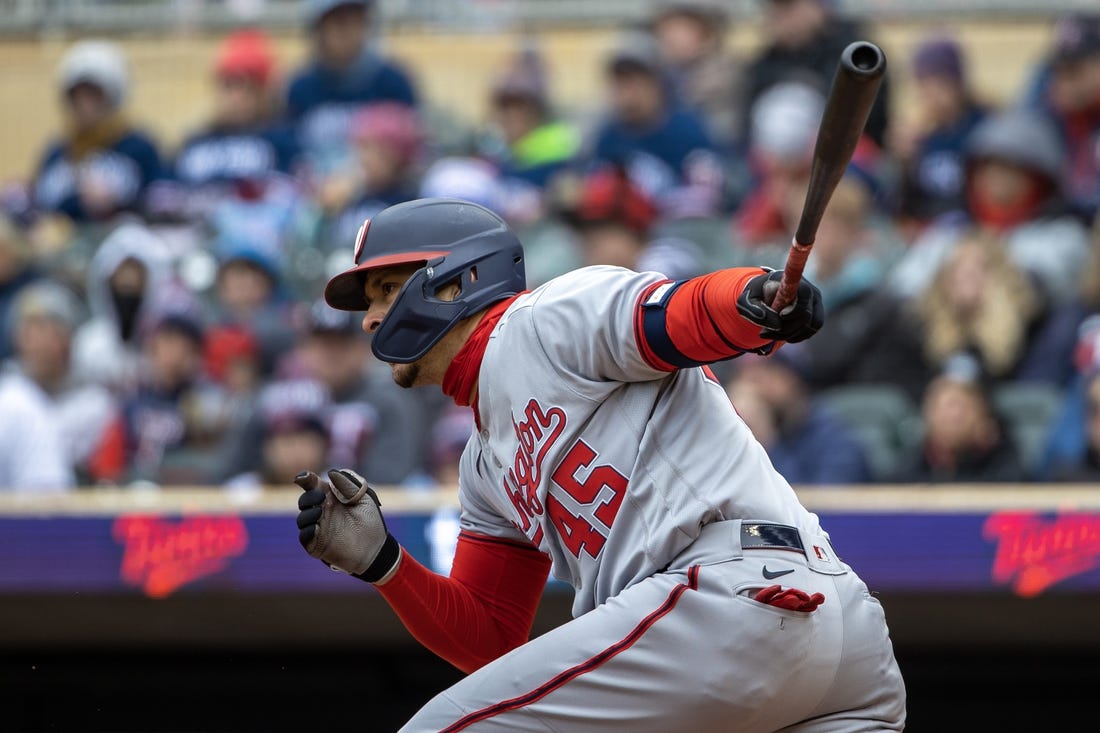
663, 146
344, 73
293, 427
172, 424
42, 324
615, 221
807, 37
1013, 192
1073, 101
783, 130
249, 293
704, 75
388, 143
17, 271
102, 165
533, 145
934, 152
242, 147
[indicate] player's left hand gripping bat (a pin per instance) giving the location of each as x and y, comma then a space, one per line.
858, 78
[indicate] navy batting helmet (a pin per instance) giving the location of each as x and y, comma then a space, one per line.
458, 242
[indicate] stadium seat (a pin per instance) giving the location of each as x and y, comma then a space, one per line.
1028, 408
883, 419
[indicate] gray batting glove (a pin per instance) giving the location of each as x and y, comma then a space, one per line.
340, 523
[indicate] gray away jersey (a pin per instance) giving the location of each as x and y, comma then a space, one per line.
586, 451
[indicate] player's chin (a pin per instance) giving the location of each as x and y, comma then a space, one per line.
406, 375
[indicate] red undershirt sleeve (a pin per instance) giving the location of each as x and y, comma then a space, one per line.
695, 322
483, 610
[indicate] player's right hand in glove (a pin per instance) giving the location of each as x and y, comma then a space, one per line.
340, 523
797, 322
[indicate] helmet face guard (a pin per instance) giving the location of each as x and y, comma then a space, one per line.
463, 244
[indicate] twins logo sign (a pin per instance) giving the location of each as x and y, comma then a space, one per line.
1035, 552
584, 499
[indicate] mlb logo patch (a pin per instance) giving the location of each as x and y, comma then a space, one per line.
822, 554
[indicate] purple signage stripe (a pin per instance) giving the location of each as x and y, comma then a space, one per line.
892, 552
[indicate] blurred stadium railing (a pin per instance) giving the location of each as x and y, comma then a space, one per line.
86, 16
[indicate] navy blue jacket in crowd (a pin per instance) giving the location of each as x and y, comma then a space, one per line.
321, 102
671, 142
125, 169
224, 156
938, 171
820, 451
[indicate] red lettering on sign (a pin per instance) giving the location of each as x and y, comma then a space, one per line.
160, 555
1033, 553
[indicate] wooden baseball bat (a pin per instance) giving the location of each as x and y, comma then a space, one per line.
858, 78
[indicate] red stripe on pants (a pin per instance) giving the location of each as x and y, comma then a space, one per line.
589, 664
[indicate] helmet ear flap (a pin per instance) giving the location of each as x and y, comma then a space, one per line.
416, 320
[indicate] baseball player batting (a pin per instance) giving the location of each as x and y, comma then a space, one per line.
707, 597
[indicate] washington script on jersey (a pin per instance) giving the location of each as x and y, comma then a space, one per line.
536, 432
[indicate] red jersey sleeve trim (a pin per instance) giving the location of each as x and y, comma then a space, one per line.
483, 610
696, 322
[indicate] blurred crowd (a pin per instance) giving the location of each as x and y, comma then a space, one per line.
159, 312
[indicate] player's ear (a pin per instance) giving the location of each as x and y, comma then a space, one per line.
449, 291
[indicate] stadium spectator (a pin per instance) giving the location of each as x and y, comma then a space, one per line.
16, 272
172, 422
1072, 98
614, 221
664, 147
982, 304
803, 439
868, 338
374, 427
102, 164
533, 144
784, 124
805, 38
249, 293
449, 436
932, 147
294, 433
1012, 191
344, 74
389, 143
964, 438
32, 450
241, 150
1086, 469
1069, 440
704, 75
129, 278
43, 321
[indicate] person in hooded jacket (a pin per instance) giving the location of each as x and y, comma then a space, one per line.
129, 277
1013, 168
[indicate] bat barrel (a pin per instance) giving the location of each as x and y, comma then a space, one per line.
863, 60
858, 77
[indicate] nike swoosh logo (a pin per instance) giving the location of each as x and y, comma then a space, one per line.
769, 575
